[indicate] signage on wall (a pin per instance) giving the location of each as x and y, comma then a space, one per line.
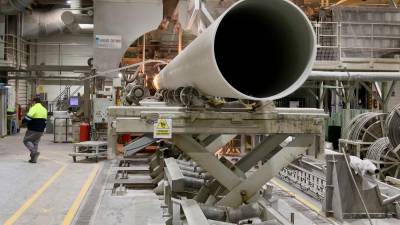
109, 41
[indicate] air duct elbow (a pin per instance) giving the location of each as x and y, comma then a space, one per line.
42, 23
70, 18
72, 21
39, 23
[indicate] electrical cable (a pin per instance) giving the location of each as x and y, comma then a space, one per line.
102, 73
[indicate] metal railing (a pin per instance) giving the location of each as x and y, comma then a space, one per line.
14, 51
352, 41
17, 53
60, 54
61, 102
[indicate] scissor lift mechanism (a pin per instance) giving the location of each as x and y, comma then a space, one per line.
306, 125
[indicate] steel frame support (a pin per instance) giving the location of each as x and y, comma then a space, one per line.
174, 175
265, 150
193, 213
241, 190
248, 188
206, 160
375, 95
261, 151
111, 139
219, 142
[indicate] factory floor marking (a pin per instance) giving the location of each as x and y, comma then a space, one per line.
77, 202
300, 199
35, 196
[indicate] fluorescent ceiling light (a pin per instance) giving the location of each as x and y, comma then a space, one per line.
69, 2
86, 26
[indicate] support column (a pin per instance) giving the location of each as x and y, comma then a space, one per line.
111, 139
321, 96
242, 144
86, 98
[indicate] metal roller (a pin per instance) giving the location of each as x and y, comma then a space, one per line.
225, 59
385, 157
233, 215
366, 127
392, 126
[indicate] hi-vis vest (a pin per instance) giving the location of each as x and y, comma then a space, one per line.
37, 118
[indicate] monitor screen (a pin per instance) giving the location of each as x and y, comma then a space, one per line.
74, 101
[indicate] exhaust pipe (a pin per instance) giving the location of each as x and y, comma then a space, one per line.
257, 50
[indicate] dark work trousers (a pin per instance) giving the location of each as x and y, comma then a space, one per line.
31, 140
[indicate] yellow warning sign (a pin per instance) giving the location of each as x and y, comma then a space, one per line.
40, 89
163, 128
162, 124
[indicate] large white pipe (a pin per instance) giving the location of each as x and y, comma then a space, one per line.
258, 49
353, 76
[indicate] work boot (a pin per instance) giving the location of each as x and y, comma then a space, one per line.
35, 157
31, 155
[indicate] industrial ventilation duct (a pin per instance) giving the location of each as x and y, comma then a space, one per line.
12, 7
76, 4
41, 23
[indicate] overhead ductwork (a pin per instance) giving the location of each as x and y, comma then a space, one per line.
76, 4
12, 7
354, 76
39, 23
72, 21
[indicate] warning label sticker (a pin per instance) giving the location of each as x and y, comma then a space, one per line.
163, 128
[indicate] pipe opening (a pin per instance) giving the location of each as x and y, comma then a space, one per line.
262, 48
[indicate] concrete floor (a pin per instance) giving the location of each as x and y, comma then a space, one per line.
287, 201
137, 207
43, 193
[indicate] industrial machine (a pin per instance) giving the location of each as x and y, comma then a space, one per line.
340, 189
207, 96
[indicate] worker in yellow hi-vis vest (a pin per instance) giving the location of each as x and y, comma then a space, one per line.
36, 120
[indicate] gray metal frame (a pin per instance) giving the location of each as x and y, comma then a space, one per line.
213, 129
140, 119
